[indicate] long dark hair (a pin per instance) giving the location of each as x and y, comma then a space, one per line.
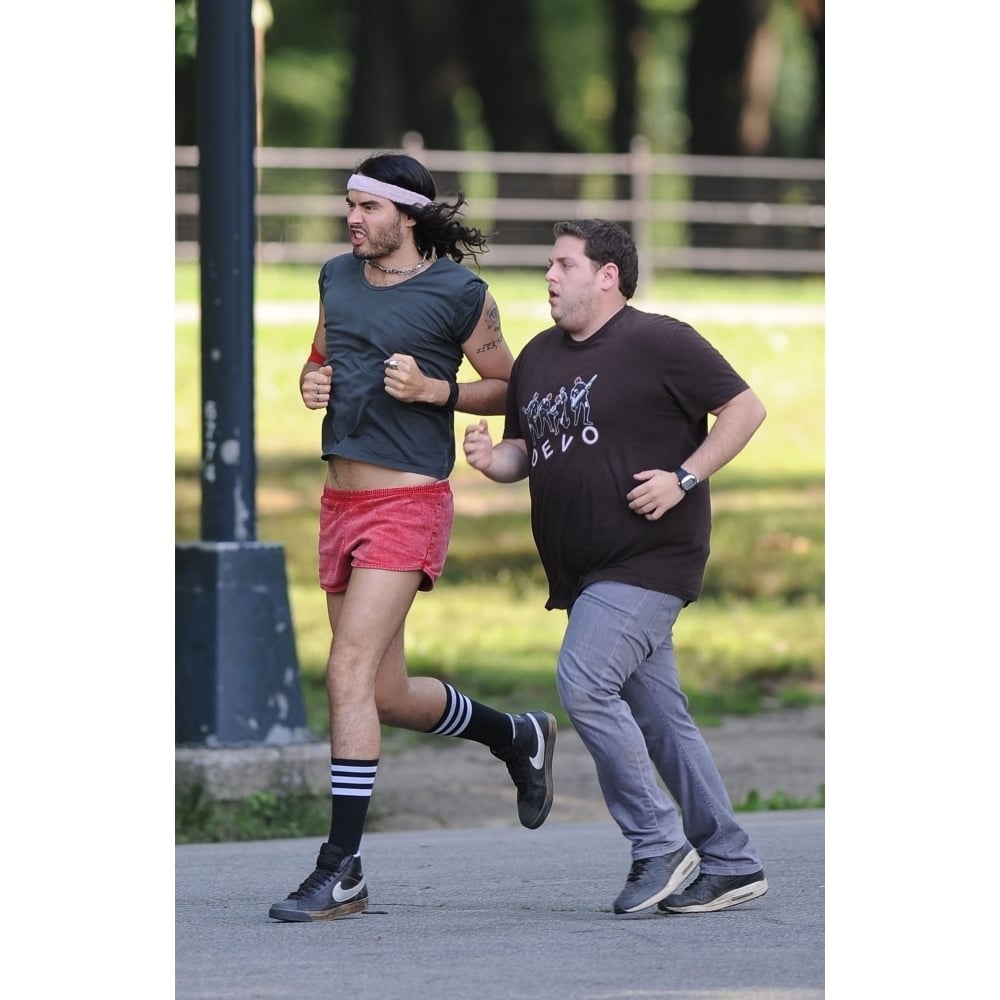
438, 231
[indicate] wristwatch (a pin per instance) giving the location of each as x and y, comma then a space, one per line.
687, 480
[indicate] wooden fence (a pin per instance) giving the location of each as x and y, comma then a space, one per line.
686, 213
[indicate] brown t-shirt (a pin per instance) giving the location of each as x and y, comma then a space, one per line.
634, 396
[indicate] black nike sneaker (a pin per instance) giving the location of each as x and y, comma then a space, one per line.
529, 761
335, 889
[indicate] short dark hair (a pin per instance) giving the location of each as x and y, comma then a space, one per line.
439, 229
606, 242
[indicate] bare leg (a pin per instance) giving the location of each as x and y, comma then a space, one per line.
367, 622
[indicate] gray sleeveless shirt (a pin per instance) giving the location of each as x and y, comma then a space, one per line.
428, 316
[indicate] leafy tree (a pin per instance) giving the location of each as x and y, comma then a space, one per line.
563, 75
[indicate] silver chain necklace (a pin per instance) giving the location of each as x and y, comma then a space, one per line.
396, 270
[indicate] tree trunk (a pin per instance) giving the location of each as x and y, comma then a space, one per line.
628, 26
628, 31
731, 75
722, 32
405, 79
506, 70
814, 15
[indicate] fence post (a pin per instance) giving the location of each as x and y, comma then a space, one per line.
413, 145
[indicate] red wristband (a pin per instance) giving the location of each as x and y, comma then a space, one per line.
314, 355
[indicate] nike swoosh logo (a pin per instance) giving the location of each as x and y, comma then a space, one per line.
538, 758
341, 895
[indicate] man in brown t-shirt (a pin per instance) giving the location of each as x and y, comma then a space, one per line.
621, 516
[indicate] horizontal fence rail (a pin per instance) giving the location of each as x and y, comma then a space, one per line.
697, 213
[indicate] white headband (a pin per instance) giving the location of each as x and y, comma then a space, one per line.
382, 190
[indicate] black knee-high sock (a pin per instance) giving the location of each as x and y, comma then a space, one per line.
351, 783
469, 720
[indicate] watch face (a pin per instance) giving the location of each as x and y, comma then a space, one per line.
688, 483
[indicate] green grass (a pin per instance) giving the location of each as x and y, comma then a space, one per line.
756, 637
267, 816
298, 283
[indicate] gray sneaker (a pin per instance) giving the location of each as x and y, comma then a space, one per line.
335, 889
716, 892
651, 879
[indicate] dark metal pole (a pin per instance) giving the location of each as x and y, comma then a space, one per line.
237, 677
227, 139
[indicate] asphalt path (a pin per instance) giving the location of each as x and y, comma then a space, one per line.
498, 914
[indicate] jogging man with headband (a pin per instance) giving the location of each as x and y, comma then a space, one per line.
396, 318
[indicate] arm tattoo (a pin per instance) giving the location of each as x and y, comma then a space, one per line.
493, 317
491, 346
492, 324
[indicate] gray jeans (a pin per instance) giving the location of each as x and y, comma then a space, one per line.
617, 680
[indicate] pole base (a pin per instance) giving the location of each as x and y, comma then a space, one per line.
237, 674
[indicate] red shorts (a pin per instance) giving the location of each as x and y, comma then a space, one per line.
402, 529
